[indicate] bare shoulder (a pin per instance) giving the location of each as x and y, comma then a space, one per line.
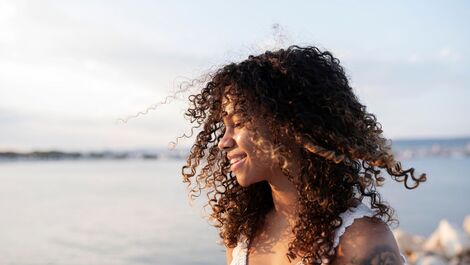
228, 253
368, 241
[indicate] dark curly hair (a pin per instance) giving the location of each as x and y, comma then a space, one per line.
303, 96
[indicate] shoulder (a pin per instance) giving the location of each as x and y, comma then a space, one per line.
368, 241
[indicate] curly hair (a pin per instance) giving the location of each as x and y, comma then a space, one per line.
303, 96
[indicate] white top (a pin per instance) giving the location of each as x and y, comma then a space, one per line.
240, 252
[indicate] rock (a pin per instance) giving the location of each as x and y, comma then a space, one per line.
413, 257
431, 260
448, 240
464, 260
433, 243
408, 243
453, 261
466, 224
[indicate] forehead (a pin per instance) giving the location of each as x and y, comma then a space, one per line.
228, 105
232, 106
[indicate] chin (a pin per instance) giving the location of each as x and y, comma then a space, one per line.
246, 182
243, 182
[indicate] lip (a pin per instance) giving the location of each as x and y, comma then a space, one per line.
237, 164
232, 155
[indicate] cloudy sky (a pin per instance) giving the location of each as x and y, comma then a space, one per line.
70, 69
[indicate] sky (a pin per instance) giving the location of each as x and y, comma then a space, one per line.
69, 70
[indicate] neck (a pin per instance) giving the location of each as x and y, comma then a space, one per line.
284, 194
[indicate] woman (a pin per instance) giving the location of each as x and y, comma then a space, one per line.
288, 157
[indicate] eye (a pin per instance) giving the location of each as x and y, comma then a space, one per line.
237, 124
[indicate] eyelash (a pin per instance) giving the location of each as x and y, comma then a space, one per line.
236, 125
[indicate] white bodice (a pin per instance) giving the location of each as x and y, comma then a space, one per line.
240, 252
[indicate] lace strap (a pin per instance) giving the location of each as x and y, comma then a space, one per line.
240, 252
348, 218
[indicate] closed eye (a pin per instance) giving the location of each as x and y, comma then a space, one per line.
237, 124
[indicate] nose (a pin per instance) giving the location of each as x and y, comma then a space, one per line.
227, 141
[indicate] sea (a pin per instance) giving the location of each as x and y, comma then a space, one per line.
136, 212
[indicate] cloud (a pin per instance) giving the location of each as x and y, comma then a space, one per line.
442, 55
448, 54
65, 80
402, 78
8, 11
70, 69
25, 131
60, 62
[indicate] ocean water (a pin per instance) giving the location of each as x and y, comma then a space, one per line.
135, 212
101, 212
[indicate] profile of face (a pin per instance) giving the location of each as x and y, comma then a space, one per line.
248, 162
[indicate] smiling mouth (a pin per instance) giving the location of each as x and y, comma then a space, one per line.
235, 163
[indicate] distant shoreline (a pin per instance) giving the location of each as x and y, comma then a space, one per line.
104, 155
403, 149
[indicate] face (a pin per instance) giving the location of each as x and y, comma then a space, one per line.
247, 162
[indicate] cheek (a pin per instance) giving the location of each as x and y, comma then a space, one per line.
244, 141
259, 159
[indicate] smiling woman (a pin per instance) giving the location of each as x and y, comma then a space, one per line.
246, 161
288, 156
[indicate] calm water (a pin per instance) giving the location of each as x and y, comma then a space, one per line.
136, 212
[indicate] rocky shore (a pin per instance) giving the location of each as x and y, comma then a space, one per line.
449, 244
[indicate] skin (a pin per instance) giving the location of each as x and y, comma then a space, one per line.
260, 167
365, 242
368, 242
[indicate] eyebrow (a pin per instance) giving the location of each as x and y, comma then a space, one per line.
229, 116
